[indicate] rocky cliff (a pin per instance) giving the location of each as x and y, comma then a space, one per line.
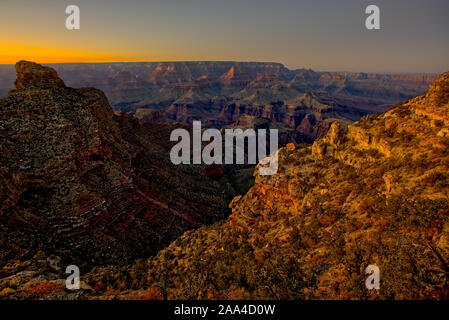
373, 193
88, 185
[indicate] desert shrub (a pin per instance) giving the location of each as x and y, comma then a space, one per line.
42, 289
277, 278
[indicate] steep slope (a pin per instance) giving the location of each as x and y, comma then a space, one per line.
87, 185
376, 192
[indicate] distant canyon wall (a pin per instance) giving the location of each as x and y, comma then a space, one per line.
221, 93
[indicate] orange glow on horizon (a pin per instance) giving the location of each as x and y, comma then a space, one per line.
11, 53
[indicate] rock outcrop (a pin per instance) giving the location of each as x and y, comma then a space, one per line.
31, 75
235, 77
88, 185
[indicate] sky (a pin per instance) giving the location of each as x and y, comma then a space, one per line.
319, 34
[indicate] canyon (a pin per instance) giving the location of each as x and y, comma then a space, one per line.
375, 192
80, 183
301, 103
88, 184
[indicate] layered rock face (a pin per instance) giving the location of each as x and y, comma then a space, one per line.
373, 193
236, 77
87, 185
210, 91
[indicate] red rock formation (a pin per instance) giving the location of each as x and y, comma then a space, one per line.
30, 75
184, 91
169, 73
88, 185
235, 77
267, 81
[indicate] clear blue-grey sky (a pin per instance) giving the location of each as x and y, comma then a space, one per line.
318, 34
